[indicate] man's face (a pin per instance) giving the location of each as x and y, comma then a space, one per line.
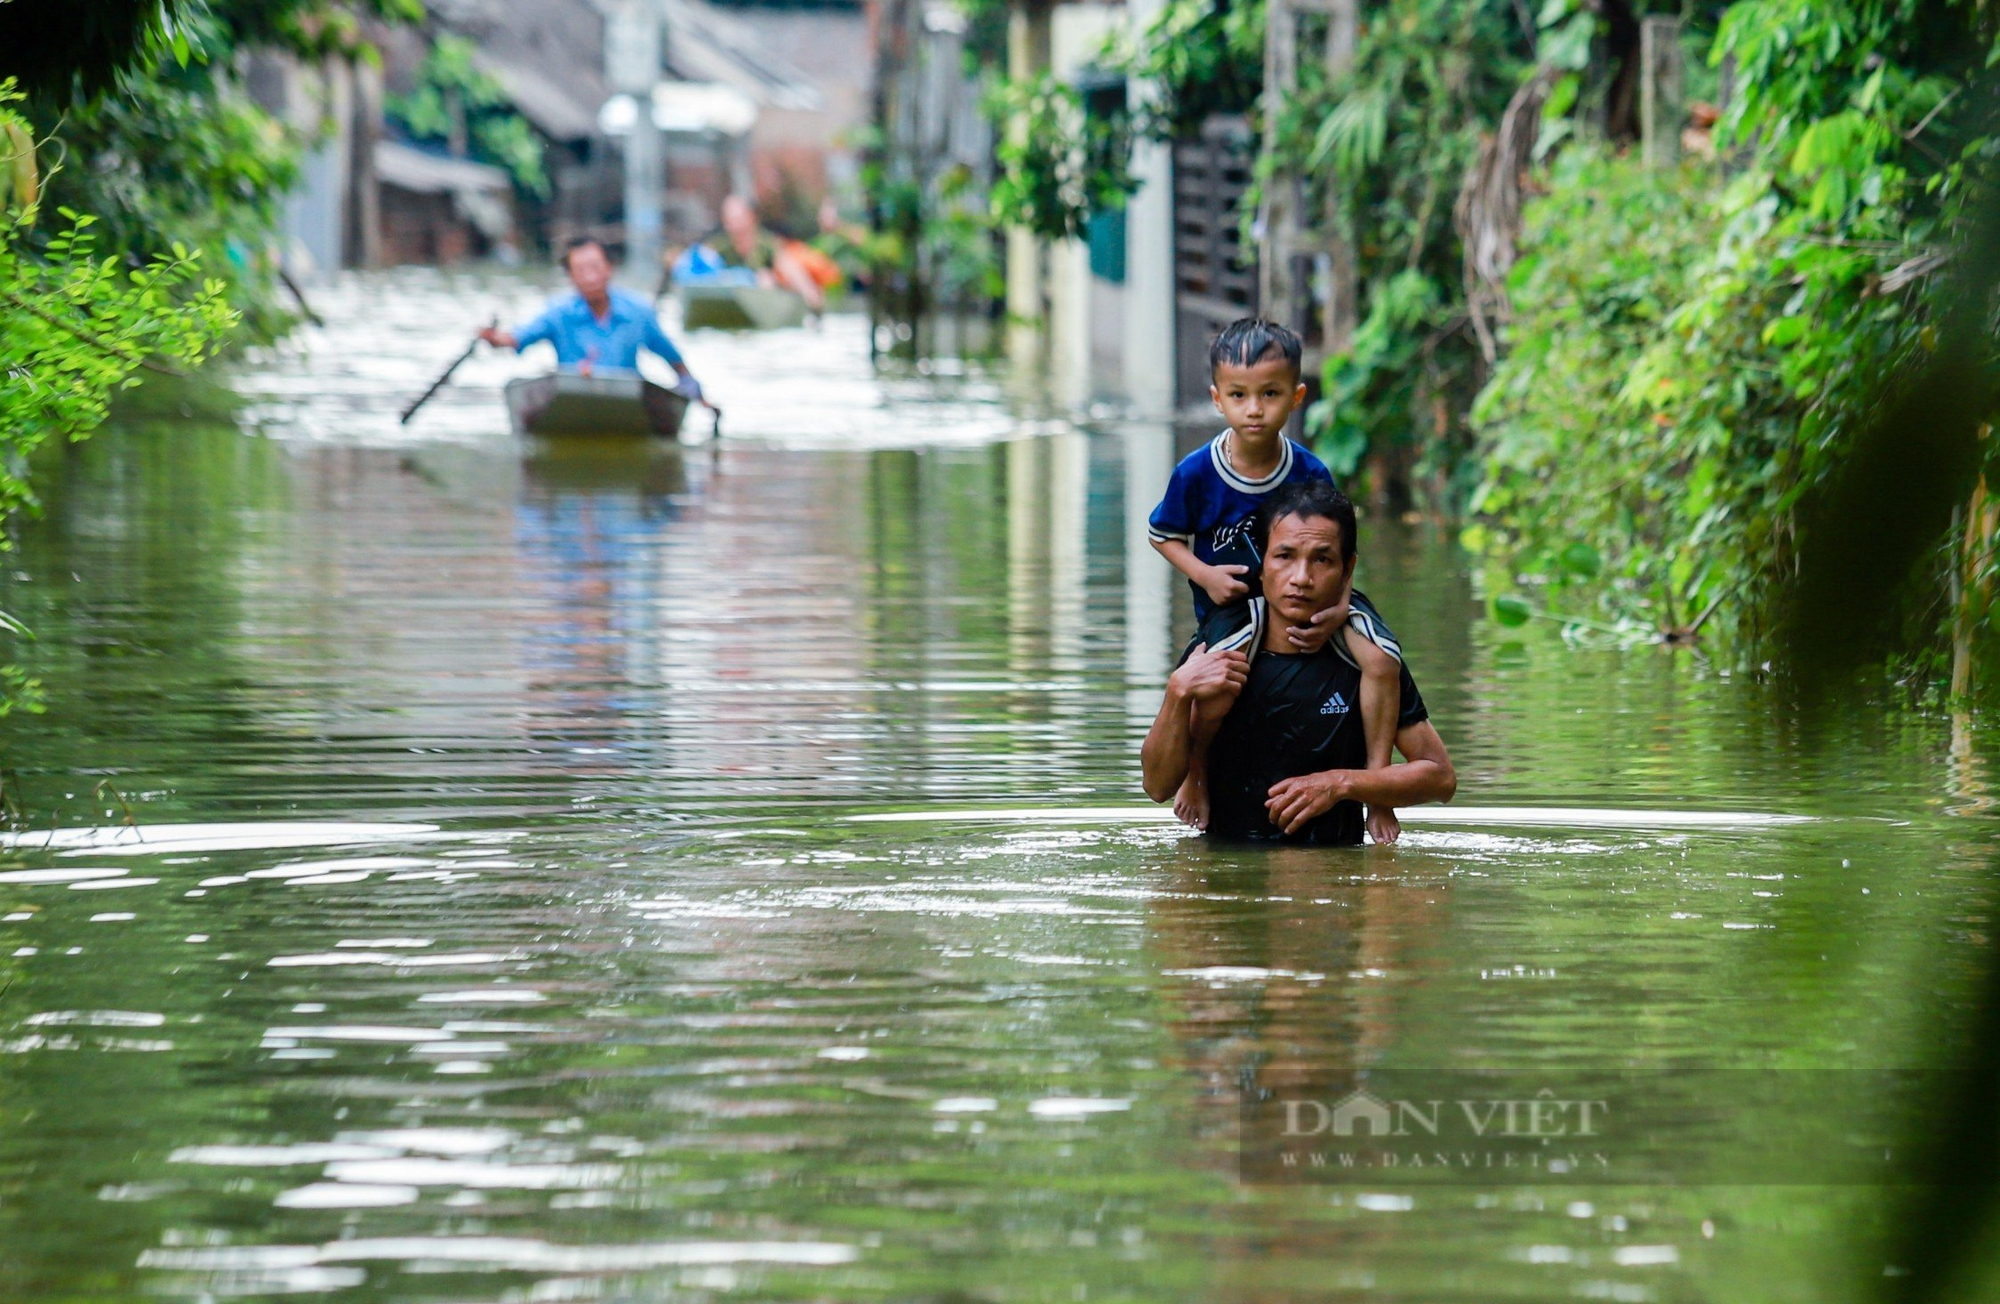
1256, 400
739, 219
1303, 569
589, 270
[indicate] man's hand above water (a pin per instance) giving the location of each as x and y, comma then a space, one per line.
1206, 685
1425, 774
1206, 676
1295, 803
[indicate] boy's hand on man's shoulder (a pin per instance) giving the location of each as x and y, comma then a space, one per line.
1325, 624
1224, 584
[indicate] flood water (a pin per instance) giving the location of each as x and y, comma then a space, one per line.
448, 871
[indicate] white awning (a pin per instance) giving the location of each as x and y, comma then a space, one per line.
684, 108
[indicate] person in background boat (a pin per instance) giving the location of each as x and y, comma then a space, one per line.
599, 328
743, 242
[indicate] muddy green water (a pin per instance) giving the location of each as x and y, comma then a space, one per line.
510, 912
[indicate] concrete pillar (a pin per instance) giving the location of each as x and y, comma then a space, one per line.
364, 208
632, 66
1281, 194
1027, 56
1343, 288
1660, 109
1076, 33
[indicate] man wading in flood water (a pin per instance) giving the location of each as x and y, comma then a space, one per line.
1289, 758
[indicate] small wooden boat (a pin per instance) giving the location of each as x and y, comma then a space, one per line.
740, 307
567, 403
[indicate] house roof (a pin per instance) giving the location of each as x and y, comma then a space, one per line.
408, 168
705, 44
543, 100
549, 55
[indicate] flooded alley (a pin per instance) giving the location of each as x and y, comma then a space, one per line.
469, 870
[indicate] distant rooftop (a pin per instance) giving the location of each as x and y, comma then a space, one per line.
740, 5
549, 55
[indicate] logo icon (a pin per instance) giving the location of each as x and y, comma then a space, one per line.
1364, 1109
1335, 705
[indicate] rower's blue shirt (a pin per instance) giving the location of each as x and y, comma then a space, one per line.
1209, 507
612, 344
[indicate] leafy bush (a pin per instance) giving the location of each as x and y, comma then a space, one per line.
1689, 354
1570, 454
1057, 164
76, 327
1201, 57
1383, 150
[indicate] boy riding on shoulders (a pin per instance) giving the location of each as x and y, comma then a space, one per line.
1204, 527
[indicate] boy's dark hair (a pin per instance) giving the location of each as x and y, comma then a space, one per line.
1250, 340
577, 242
1307, 498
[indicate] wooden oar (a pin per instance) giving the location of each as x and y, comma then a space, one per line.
443, 376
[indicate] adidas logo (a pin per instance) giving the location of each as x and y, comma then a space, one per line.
1335, 705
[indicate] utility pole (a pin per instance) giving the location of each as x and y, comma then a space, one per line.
632, 66
1276, 291
1285, 256
1343, 288
1660, 107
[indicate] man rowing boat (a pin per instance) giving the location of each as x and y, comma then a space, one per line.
599, 328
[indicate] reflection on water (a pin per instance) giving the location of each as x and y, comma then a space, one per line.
610, 873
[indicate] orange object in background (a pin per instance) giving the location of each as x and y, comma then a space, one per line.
818, 266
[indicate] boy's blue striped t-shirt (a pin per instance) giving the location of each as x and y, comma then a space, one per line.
1208, 506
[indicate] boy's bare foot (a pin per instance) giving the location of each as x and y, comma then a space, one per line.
1383, 826
1191, 802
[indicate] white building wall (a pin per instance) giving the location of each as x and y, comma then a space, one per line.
1148, 335
1077, 33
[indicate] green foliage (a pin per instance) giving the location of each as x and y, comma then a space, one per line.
1568, 453
985, 41
939, 238
1057, 163
175, 157
964, 261
178, 152
1369, 390
1202, 57
456, 104
59, 49
1689, 355
75, 328
1383, 150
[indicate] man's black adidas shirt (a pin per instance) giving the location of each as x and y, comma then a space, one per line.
1298, 714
